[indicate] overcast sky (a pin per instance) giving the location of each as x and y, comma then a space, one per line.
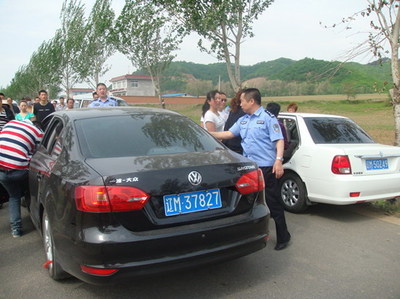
288, 28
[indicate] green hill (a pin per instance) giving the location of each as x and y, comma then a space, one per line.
286, 77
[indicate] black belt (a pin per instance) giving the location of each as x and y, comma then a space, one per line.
6, 170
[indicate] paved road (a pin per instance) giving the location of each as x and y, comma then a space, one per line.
337, 252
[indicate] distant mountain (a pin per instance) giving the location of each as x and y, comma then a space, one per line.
309, 76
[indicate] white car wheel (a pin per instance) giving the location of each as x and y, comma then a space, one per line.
293, 193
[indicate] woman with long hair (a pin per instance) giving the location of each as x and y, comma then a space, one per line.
213, 122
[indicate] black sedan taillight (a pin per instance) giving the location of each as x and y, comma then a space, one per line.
100, 199
251, 182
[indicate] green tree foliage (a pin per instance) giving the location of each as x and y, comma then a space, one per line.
349, 91
147, 37
97, 45
41, 72
199, 87
223, 26
68, 39
276, 78
383, 39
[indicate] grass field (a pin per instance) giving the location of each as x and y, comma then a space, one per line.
330, 97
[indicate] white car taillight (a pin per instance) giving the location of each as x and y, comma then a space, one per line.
341, 165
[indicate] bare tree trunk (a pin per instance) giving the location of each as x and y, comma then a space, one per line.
233, 69
155, 79
396, 114
395, 96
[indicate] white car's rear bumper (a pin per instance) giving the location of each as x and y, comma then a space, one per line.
338, 190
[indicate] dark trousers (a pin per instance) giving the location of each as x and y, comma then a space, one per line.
16, 184
274, 205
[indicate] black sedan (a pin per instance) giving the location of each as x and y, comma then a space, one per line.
123, 192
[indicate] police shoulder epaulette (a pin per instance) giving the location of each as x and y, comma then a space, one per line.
270, 114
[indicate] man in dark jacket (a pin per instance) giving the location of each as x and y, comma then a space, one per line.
14, 107
5, 112
43, 108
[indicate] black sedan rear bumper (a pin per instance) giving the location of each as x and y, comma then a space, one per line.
148, 253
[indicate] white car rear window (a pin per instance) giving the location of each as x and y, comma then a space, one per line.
336, 130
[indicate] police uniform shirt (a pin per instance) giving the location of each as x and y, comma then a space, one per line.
259, 133
109, 102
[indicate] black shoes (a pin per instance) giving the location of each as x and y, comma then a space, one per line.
283, 245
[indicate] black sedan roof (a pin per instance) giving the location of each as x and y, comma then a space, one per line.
111, 111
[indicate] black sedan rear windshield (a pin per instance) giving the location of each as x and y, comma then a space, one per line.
336, 130
141, 135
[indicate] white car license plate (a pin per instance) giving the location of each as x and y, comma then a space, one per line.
374, 164
191, 202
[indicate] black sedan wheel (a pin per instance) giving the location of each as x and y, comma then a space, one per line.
55, 270
293, 193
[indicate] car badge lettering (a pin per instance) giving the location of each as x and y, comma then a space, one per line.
247, 167
194, 178
126, 180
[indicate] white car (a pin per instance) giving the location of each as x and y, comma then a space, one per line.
332, 160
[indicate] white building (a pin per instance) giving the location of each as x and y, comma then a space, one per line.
79, 91
132, 85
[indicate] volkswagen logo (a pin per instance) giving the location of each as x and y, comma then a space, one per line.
194, 178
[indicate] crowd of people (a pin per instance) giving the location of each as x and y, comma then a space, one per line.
28, 109
20, 133
41, 107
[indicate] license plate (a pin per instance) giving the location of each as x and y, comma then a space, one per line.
176, 204
374, 164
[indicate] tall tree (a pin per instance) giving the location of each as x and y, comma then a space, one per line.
385, 29
43, 66
147, 37
41, 72
97, 45
225, 24
69, 39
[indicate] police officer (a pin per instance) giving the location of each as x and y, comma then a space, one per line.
103, 100
262, 142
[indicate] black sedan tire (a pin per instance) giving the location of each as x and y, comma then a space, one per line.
293, 193
53, 267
